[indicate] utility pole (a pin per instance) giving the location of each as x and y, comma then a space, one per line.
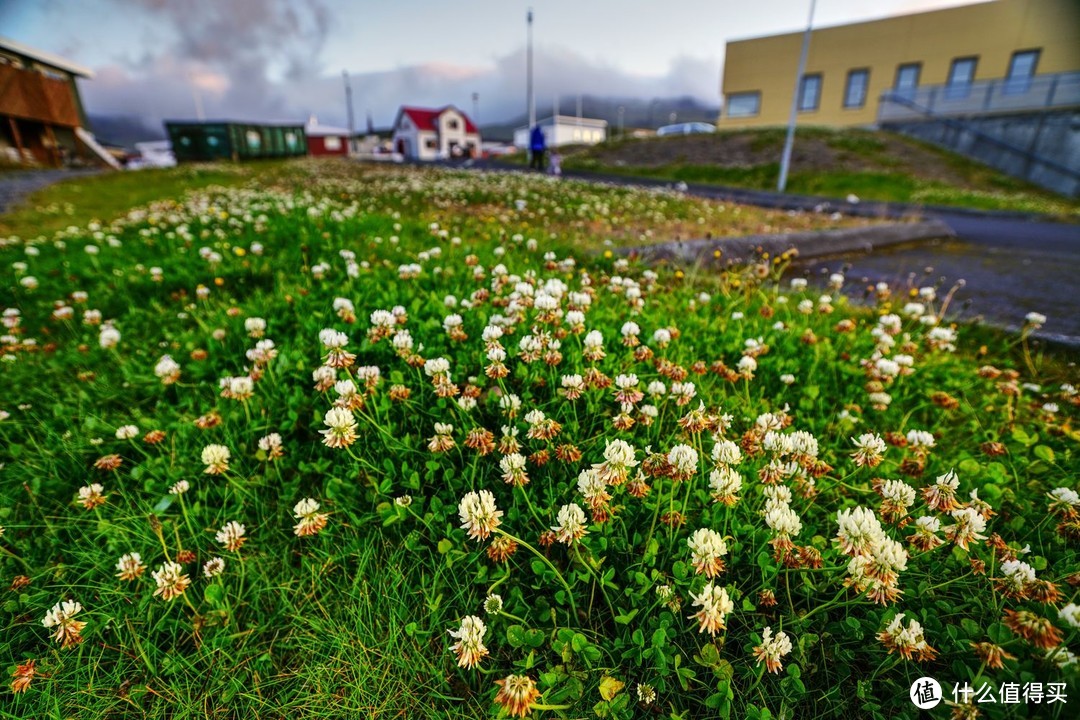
529, 73
348, 106
476, 108
785, 160
197, 97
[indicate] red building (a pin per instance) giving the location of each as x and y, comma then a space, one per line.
326, 140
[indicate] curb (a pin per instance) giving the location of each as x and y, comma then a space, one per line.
810, 244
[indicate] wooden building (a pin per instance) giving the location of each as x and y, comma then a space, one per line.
42, 120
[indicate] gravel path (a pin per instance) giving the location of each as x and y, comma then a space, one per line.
16, 185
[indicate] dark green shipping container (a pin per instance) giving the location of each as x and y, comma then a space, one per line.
208, 141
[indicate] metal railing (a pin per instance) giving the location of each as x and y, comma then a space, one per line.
983, 97
961, 135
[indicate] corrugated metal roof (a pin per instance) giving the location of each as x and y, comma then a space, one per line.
45, 58
317, 130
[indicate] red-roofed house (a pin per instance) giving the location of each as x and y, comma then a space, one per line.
434, 134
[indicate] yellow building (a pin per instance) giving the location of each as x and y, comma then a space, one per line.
999, 56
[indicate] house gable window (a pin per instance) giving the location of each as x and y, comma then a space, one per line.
857, 83
745, 104
431, 144
452, 124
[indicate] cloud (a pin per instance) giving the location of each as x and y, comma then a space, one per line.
260, 60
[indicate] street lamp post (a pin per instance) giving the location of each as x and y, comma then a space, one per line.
529, 72
785, 160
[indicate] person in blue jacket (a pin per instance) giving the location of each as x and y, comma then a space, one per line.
537, 146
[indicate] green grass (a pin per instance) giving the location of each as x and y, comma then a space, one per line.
830, 163
353, 621
113, 193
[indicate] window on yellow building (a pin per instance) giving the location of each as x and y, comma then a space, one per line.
857, 83
810, 92
747, 104
907, 79
1021, 70
961, 75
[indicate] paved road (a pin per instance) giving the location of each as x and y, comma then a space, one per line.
17, 184
1012, 263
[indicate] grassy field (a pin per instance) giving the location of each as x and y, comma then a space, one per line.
337, 441
831, 163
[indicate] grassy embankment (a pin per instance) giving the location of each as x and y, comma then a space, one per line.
831, 163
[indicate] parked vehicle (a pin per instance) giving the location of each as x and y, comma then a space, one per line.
689, 128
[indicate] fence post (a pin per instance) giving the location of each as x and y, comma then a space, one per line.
1053, 89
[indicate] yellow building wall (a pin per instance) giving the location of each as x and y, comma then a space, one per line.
991, 31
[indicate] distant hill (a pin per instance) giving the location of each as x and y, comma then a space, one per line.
124, 130
637, 113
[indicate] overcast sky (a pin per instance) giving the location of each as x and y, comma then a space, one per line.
282, 59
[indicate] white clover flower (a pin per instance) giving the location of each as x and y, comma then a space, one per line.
167, 369
126, 432
898, 492
715, 606
478, 514
333, 339
213, 567
108, 337
725, 452
747, 365
920, 439
782, 519
772, 648
571, 524
216, 459
684, 459
725, 483
255, 326
859, 531
1070, 615
707, 549
470, 641
619, 453
436, 366
869, 449
493, 604
231, 535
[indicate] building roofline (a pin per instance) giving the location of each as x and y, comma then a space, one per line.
45, 58
257, 123
569, 120
816, 28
